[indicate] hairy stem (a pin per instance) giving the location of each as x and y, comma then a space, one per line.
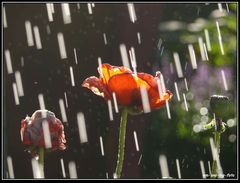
121, 145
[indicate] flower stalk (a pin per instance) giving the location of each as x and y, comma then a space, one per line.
121, 145
219, 106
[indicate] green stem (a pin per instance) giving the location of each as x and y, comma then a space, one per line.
41, 160
121, 144
217, 138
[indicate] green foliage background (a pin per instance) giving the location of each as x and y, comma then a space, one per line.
175, 137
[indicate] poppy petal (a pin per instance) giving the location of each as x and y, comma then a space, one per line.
148, 78
156, 102
95, 84
108, 71
127, 88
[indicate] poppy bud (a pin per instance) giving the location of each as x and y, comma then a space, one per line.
32, 132
219, 105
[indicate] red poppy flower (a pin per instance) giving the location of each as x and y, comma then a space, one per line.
126, 85
32, 131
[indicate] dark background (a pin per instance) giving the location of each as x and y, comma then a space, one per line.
45, 72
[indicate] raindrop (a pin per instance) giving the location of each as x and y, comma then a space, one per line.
131, 11
4, 18
89, 8
115, 102
101, 144
105, 38
72, 76
19, 83
66, 13
163, 166
178, 169
209, 168
110, 111
61, 44
227, 7
36, 168
192, 56
186, 85
46, 134
220, 7
207, 38
136, 140
139, 37
62, 110
37, 37
124, 55
140, 159
145, 100
133, 60
72, 170
65, 98
160, 84
202, 169
178, 65
29, 33
205, 51
224, 80
75, 55
52, 7
202, 50
63, 168
10, 167
176, 89
185, 102
15, 93
82, 128
49, 12
168, 110
8, 62
220, 38
100, 66
115, 176
41, 101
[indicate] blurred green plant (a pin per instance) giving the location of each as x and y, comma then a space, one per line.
184, 126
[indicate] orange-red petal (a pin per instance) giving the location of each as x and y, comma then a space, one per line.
153, 93
148, 78
156, 102
127, 88
96, 85
109, 71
